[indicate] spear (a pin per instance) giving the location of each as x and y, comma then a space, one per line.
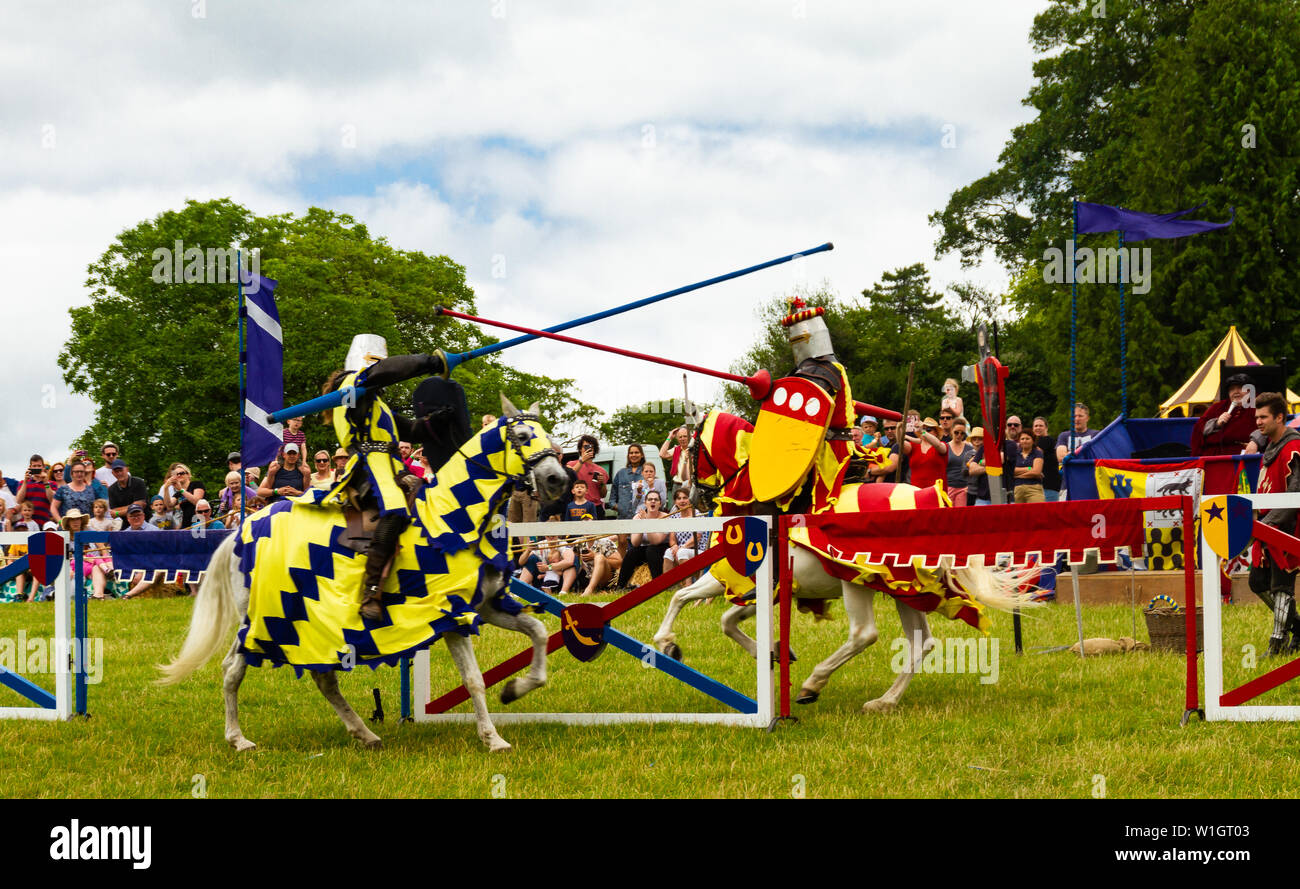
334, 399
759, 385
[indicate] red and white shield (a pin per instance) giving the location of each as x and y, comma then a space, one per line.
791, 427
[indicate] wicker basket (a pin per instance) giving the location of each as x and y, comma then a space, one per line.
1167, 628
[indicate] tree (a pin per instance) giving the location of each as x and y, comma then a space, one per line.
646, 423
1157, 107
159, 360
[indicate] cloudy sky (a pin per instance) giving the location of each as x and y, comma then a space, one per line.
571, 155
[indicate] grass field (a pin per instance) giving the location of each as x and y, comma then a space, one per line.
1047, 728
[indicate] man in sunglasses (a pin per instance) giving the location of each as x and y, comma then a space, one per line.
104, 474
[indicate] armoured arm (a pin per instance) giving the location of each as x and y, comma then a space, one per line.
398, 368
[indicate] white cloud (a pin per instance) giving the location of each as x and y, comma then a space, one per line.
775, 126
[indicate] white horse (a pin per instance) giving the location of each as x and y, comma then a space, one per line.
996, 588
223, 598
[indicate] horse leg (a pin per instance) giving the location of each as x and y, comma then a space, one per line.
328, 683
665, 639
462, 654
859, 605
731, 619
233, 668
916, 635
535, 630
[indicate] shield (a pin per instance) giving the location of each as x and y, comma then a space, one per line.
583, 628
45, 556
791, 427
745, 543
1227, 523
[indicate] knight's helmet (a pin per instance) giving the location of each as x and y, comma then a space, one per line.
366, 349
805, 328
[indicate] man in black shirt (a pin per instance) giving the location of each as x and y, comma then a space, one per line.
125, 490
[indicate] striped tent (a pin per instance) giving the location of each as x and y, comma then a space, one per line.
1202, 388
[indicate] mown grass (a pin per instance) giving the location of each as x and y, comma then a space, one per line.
1048, 726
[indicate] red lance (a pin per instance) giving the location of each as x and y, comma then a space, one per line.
759, 385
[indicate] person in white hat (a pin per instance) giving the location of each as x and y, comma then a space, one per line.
371, 430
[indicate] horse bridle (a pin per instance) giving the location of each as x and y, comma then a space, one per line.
530, 463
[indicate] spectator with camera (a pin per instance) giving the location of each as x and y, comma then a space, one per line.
181, 495
36, 490
586, 469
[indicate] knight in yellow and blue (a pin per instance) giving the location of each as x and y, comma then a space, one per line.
302, 574
370, 431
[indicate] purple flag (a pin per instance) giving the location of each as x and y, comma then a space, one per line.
264, 380
1141, 226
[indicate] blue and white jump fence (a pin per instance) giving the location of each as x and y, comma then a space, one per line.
756, 712
66, 659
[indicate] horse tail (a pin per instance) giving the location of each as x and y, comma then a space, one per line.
1003, 589
214, 613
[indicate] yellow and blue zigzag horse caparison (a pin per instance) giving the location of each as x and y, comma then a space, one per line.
305, 585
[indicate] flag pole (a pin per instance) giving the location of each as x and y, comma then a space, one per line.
1123, 333
243, 396
1074, 319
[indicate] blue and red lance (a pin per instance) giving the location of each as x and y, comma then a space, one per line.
758, 385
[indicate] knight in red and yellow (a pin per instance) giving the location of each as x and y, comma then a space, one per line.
803, 437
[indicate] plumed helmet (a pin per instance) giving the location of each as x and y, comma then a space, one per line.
805, 328
366, 349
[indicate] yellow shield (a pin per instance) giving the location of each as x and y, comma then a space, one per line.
791, 428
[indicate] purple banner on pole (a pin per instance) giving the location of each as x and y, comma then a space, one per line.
1138, 226
264, 379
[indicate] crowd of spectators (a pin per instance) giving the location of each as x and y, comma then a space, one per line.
79, 495
952, 452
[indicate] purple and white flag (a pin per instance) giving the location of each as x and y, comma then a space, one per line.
264, 373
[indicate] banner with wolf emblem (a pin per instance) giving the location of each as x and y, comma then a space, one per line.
1162, 528
790, 429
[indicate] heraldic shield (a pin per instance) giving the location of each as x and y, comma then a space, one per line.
791, 427
1227, 523
45, 556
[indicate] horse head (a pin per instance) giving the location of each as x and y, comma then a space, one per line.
718, 451
531, 456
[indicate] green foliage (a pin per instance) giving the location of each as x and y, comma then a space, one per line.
160, 360
1155, 106
644, 423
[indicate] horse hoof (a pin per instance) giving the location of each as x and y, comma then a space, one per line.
242, 744
375, 744
674, 651
499, 746
878, 707
807, 697
509, 694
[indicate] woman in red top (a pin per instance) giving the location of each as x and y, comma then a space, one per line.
927, 456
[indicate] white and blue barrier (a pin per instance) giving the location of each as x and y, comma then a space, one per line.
65, 656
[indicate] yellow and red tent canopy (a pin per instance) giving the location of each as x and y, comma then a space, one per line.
1202, 388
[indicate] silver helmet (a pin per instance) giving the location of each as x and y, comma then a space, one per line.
366, 349
806, 330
